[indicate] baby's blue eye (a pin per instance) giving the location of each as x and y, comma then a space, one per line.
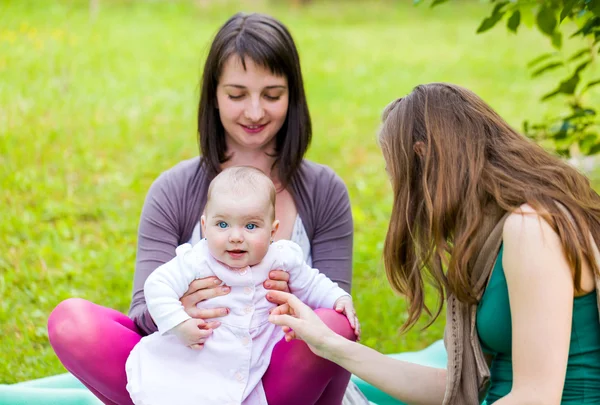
222, 224
250, 227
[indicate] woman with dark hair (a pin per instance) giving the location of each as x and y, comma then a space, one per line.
252, 112
508, 235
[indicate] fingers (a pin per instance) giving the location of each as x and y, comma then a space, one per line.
290, 336
202, 284
207, 313
279, 275
280, 297
286, 321
197, 296
282, 310
196, 346
213, 324
276, 285
201, 335
278, 280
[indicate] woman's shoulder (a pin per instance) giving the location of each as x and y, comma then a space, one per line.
320, 176
526, 221
184, 174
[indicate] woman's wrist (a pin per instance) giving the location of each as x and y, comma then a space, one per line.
336, 348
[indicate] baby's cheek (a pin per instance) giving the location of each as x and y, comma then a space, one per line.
216, 245
261, 248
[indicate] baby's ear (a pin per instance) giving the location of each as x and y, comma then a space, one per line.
274, 228
203, 224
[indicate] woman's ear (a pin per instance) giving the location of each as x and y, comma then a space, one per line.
419, 148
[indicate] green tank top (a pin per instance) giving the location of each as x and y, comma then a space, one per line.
582, 382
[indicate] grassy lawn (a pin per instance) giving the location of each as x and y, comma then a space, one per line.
92, 111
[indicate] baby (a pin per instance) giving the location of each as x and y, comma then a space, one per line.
238, 225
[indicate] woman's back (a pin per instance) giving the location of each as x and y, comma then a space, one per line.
582, 382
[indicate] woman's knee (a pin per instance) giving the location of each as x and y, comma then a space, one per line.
336, 322
71, 325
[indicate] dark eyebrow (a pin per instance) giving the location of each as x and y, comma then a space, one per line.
238, 86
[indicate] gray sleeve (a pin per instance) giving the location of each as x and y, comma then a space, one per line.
158, 237
170, 212
331, 245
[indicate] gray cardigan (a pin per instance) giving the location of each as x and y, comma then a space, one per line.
177, 197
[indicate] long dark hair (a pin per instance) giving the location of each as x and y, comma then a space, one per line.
268, 43
453, 161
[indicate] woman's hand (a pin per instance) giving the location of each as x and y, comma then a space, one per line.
299, 321
278, 281
201, 290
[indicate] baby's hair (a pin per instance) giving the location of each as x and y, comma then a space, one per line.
242, 180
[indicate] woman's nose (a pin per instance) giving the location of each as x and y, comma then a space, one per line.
254, 111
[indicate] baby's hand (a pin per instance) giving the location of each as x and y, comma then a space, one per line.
192, 333
344, 305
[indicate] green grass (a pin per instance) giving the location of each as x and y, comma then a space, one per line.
92, 111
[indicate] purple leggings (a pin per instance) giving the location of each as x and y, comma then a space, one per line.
93, 343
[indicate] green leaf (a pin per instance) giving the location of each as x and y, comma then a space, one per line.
591, 84
588, 26
557, 39
587, 143
566, 87
567, 9
546, 20
540, 59
582, 66
493, 19
549, 66
489, 23
579, 54
437, 2
594, 149
514, 21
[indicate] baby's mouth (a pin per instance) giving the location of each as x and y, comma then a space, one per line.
236, 252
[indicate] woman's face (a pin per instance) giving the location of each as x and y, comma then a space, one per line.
252, 103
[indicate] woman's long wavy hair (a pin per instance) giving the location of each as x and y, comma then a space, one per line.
452, 161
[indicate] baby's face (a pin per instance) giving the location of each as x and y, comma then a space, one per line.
238, 229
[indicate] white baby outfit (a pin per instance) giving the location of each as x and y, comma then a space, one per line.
161, 370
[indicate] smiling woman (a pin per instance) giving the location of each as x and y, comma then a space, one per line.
252, 104
252, 112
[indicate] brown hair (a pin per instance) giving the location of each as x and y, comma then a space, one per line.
268, 43
452, 161
244, 180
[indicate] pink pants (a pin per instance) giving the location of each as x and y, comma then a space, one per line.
93, 343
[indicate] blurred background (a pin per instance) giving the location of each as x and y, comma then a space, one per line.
98, 97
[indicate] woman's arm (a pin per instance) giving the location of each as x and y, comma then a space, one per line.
540, 287
160, 231
408, 382
324, 207
331, 244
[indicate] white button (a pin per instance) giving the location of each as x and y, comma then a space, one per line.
245, 340
279, 247
248, 309
239, 376
243, 272
248, 290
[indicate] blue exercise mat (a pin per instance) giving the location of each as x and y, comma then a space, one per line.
64, 389
433, 356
